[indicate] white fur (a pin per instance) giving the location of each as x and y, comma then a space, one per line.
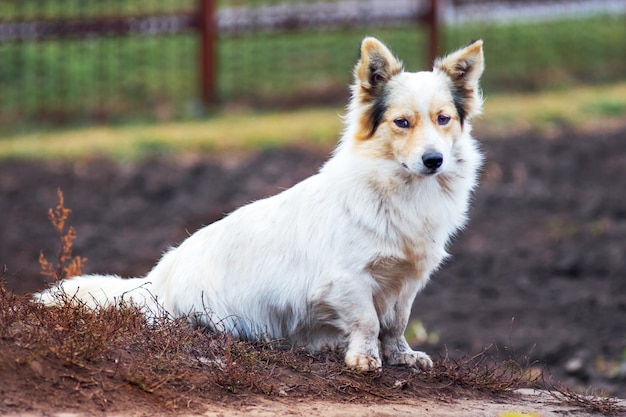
316, 264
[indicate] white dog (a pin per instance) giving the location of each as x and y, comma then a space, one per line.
336, 260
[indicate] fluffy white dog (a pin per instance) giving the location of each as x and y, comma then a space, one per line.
336, 260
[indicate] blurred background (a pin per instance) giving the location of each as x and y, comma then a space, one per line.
157, 117
69, 62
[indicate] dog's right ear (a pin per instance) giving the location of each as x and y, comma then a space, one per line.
375, 67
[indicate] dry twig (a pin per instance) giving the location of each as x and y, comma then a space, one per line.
66, 266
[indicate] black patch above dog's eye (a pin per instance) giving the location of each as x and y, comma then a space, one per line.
378, 112
458, 96
402, 123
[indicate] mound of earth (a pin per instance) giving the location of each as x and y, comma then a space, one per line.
539, 272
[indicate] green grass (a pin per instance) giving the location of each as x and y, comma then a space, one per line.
303, 62
550, 55
608, 107
97, 74
519, 57
504, 115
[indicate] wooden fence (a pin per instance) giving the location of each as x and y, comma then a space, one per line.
209, 23
68, 61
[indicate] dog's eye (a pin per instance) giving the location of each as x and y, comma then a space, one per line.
402, 123
443, 120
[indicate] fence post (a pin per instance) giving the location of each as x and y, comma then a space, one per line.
433, 31
208, 52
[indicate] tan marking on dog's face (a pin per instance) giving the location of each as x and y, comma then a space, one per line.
416, 104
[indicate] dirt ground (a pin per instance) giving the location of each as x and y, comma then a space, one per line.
525, 403
539, 271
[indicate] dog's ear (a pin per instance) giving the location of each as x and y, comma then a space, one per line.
375, 67
464, 67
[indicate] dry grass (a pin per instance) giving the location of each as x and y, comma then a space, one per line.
586, 108
86, 359
67, 266
114, 353
590, 401
233, 130
167, 355
488, 372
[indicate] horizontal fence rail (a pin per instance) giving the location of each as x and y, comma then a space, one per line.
507, 12
229, 20
133, 25
289, 16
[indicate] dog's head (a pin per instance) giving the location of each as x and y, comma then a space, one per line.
414, 118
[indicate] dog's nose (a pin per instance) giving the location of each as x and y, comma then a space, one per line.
432, 160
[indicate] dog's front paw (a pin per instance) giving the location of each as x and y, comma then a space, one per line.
422, 360
411, 358
363, 362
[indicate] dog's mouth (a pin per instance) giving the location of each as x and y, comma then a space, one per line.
423, 170
430, 171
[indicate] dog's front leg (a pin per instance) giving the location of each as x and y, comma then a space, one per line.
397, 351
362, 326
346, 306
395, 348
362, 353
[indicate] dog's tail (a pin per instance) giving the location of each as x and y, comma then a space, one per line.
97, 291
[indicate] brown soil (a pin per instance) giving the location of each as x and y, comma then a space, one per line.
539, 271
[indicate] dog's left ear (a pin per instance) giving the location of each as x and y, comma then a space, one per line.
375, 67
464, 67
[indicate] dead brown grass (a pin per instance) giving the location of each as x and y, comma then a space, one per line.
488, 372
590, 401
66, 266
72, 357
119, 349
115, 353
